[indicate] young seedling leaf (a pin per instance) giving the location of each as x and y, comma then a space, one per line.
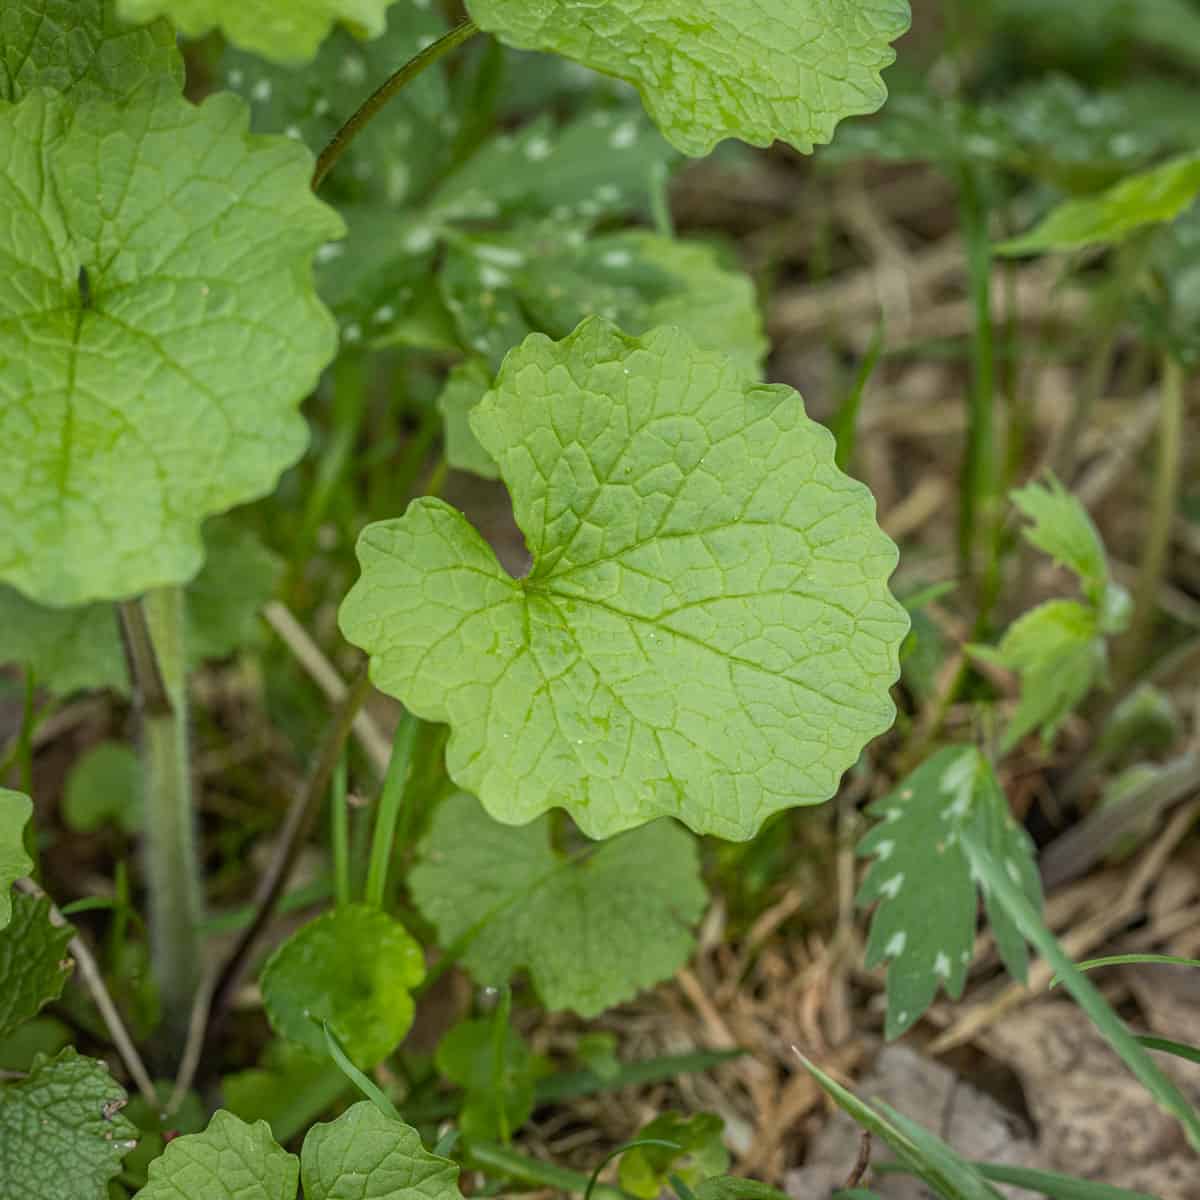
924, 924
104, 787
15, 811
1063, 529
282, 30
547, 279
34, 963
1059, 653
230, 1160
1148, 198
497, 1073
354, 967
62, 1133
368, 1156
706, 631
518, 902
81, 49
78, 649
712, 69
162, 384
699, 1153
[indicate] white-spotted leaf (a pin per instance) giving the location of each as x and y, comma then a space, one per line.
283, 30
80, 48
706, 631
158, 330
593, 927
759, 70
924, 924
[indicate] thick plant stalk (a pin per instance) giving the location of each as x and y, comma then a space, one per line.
172, 868
1162, 512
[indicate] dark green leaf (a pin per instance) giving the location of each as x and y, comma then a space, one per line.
34, 963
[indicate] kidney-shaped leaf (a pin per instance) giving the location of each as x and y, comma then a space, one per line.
78, 47
706, 631
162, 384
365, 1155
283, 30
593, 928
354, 968
758, 70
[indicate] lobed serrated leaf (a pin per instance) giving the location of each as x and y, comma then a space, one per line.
696, 1152
287, 31
593, 928
62, 1134
354, 967
1063, 529
162, 386
81, 49
759, 70
34, 963
706, 631
230, 1160
365, 1155
15, 811
924, 924
1148, 198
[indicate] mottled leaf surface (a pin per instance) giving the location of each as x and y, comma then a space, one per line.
593, 927
758, 70
924, 924
62, 1135
34, 963
706, 631
15, 811
165, 386
354, 967
283, 30
80, 48
230, 1160
364, 1155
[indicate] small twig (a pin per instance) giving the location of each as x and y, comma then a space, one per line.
144, 670
325, 675
861, 1163
378, 98
193, 1048
89, 969
296, 829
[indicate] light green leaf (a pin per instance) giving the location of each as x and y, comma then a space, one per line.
1148, 198
364, 1155
1063, 529
287, 31
33, 961
701, 1153
79, 48
62, 1135
230, 1160
166, 386
466, 385
730, 1187
353, 967
104, 787
497, 1073
924, 925
759, 70
568, 917
1060, 655
15, 811
706, 631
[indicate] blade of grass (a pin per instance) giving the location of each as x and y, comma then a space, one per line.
512, 1164
1056, 1185
1179, 1049
390, 800
844, 424
365, 1084
339, 819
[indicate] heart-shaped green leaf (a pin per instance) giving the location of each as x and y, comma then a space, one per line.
706, 631
158, 330
711, 69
